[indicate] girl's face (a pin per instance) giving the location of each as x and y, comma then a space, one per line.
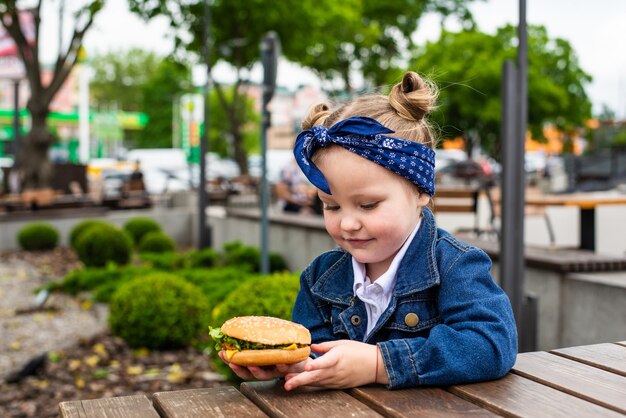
371, 211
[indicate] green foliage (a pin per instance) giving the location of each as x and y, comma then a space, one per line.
38, 236
166, 261
467, 66
206, 257
137, 228
272, 295
102, 244
238, 254
216, 283
140, 81
159, 311
156, 242
340, 39
102, 281
81, 227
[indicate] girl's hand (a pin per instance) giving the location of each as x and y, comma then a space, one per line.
345, 364
264, 372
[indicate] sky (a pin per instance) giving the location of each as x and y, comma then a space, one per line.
594, 28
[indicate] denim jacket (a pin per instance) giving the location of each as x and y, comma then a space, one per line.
447, 321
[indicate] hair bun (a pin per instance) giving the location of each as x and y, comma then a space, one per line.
317, 115
412, 98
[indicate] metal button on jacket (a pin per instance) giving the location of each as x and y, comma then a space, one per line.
356, 320
411, 319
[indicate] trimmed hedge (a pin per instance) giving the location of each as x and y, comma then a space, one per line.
38, 236
159, 311
81, 227
137, 228
156, 242
272, 295
102, 244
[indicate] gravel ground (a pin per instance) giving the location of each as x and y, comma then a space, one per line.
71, 352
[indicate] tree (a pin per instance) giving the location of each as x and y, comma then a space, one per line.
118, 78
335, 39
33, 154
467, 65
140, 81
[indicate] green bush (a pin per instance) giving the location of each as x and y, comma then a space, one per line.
158, 311
81, 227
102, 244
166, 261
102, 281
216, 283
156, 242
38, 236
206, 257
237, 254
137, 228
272, 295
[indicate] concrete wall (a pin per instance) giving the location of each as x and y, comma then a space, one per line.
179, 223
573, 308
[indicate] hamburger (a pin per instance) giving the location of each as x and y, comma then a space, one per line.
262, 341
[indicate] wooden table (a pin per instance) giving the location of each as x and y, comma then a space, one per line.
585, 381
587, 202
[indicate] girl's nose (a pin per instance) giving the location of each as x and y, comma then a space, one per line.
350, 223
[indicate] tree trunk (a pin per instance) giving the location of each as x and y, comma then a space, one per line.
32, 159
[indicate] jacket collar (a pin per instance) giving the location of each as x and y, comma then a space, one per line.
417, 271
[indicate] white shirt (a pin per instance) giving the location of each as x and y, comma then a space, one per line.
376, 296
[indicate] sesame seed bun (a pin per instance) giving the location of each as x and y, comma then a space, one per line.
266, 330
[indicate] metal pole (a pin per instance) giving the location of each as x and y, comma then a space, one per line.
265, 124
16, 119
520, 145
510, 243
205, 234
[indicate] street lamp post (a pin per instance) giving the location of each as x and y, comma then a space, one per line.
205, 234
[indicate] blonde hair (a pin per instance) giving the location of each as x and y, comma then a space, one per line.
403, 111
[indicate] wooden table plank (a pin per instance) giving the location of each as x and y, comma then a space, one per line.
223, 401
136, 406
583, 381
272, 398
610, 357
418, 402
516, 396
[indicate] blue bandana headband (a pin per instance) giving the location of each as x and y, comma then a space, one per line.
364, 136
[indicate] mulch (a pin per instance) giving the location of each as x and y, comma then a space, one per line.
102, 366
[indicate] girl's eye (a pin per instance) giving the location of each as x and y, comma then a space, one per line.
369, 206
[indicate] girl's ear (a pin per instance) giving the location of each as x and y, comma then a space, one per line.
422, 200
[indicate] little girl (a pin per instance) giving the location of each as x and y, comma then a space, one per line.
400, 302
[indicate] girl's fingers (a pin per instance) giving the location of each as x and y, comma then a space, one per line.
323, 362
324, 347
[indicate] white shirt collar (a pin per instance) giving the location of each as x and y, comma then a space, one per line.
387, 280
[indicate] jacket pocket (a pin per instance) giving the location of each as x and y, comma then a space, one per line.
414, 314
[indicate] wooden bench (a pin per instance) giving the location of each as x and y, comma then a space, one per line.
450, 199
585, 381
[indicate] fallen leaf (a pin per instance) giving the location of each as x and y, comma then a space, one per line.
86, 305
79, 382
74, 364
134, 370
54, 356
92, 361
141, 352
15, 345
100, 349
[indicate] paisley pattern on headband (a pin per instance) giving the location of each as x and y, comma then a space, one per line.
366, 137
